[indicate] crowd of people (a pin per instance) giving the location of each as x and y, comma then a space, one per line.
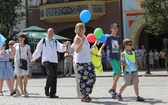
156, 59
80, 52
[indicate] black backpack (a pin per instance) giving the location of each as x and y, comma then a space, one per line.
45, 42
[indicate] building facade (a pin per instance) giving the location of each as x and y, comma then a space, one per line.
22, 24
134, 26
133, 22
62, 15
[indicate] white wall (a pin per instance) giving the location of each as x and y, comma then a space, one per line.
22, 24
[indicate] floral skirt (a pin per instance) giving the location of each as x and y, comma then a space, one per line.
86, 76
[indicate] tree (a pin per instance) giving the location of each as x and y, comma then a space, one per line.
9, 17
156, 15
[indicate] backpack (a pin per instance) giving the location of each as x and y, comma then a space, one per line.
45, 42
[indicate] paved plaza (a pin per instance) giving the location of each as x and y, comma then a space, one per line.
153, 88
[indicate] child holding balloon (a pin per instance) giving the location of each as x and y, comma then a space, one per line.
112, 42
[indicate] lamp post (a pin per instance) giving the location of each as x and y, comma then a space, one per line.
146, 44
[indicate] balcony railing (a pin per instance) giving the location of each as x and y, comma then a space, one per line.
61, 1
66, 12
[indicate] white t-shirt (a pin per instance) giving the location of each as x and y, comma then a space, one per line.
156, 57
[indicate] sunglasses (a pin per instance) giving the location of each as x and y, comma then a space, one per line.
129, 44
11, 44
4, 45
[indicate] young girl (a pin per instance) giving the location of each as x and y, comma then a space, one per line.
6, 70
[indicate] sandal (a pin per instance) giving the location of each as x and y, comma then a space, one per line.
89, 98
119, 97
85, 99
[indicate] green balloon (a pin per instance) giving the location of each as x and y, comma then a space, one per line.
98, 32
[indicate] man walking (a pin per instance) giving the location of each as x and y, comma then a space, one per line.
49, 47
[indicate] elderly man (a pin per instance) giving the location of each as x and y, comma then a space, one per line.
49, 47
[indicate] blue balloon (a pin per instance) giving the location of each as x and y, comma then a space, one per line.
85, 16
103, 38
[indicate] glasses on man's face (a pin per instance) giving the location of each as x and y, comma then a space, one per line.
130, 44
4, 45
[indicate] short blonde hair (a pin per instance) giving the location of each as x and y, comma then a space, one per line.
12, 41
79, 27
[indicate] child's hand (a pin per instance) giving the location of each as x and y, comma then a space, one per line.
99, 55
2, 53
123, 64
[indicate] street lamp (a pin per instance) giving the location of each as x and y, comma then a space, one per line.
146, 43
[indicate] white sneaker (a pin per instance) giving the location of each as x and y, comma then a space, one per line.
25, 94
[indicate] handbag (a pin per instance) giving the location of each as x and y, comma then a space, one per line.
23, 62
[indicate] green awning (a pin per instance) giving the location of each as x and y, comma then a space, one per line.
34, 29
41, 35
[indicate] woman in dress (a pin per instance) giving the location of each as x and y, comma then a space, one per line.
21, 50
6, 70
151, 59
82, 57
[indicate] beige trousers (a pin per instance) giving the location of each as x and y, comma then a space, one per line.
77, 81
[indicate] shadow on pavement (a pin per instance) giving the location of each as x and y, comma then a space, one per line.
151, 101
107, 103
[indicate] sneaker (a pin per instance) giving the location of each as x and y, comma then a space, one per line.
25, 94
113, 93
119, 97
140, 99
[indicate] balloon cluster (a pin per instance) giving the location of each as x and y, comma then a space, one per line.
98, 34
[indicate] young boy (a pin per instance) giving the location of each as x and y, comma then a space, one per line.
112, 42
129, 69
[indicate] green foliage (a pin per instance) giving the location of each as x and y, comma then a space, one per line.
156, 15
9, 17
